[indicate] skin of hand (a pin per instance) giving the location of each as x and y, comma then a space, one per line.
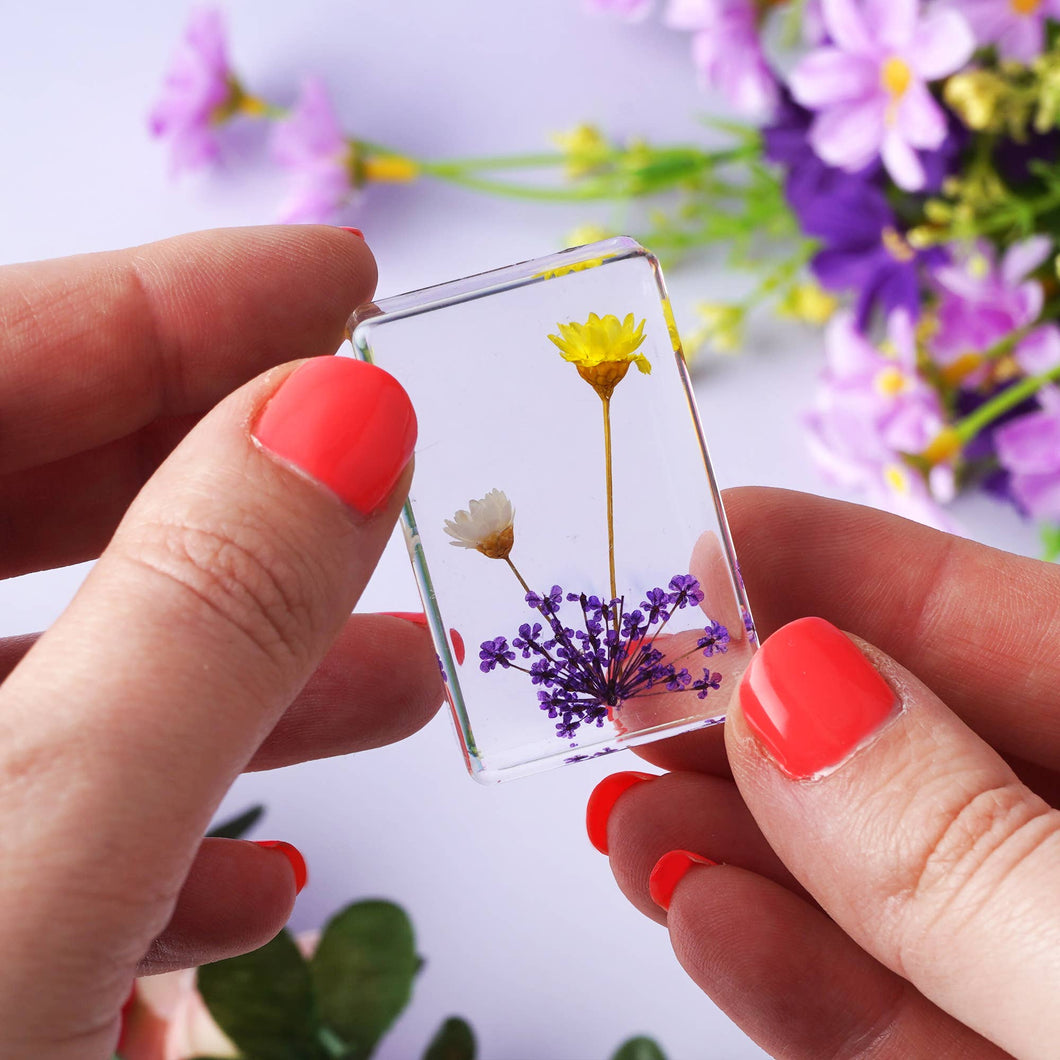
159, 413
875, 848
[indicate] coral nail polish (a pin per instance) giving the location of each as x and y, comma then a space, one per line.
294, 856
811, 698
602, 802
353, 231
347, 424
418, 618
668, 872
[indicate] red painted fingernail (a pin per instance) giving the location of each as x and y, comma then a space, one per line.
418, 618
294, 856
602, 802
668, 872
354, 231
346, 424
811, 698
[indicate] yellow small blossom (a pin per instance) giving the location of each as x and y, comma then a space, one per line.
809, 303
978, 97
587, 233
602, 349
722, 327
585, 148
564, 270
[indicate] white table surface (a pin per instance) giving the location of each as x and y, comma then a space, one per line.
524, 931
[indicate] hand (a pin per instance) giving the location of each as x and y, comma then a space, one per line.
214, 634
888, 854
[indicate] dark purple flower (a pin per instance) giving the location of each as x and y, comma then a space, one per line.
582, 674
495, 653
715, 640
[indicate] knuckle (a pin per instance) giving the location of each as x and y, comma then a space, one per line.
241, 576
978, 842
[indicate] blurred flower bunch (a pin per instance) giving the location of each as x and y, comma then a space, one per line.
894, 176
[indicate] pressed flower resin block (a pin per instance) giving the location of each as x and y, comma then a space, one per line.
563, 522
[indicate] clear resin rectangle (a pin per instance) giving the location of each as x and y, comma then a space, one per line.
564, 524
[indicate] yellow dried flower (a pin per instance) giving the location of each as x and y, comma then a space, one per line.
585, 148
602, 349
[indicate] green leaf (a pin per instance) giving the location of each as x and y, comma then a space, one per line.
237, 827
454, 1041
263, 1001
639, 1049
362, 972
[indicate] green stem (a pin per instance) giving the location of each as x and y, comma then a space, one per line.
1001, 403
527, 161
610, 496
522, 191
522, 580
332, 1043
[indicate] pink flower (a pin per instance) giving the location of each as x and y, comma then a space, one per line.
871, 409
1029, 449
1016, 27
195, 90
311, 144
727, 51
630, 10
983, 301
167, 1019
869, 87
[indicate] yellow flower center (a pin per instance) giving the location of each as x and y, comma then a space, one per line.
895, 76
390, 169
891, 381
1025, 7
897, 478
498, 545
896, 246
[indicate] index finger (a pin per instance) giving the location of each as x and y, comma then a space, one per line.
94, 347
977, 625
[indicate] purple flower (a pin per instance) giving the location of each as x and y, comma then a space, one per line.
715, 640
727, 51
311, 144
584, 674
984, 300
1016, 27
196, 88
495, 653
1029, 449
869, 86
630, 10
870, 409
864, 251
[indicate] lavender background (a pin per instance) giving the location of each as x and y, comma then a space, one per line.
524, 932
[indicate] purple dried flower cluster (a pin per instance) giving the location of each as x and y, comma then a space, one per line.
584, 673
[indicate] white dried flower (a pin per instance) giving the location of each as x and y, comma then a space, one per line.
485, 525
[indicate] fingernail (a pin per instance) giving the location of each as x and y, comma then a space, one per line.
418, 618
294, 856
602, 802
354, 231
668, 872
344, 423
811, 698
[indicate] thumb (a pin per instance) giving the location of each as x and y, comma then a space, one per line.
910, 831
222, 589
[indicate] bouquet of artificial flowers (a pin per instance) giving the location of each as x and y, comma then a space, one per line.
896, 180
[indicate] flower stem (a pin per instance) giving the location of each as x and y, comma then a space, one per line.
522, 582
610, 495
998, 405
